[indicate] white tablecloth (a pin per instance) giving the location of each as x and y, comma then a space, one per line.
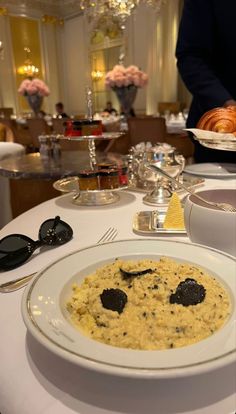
7, 149
175, 126
35, 381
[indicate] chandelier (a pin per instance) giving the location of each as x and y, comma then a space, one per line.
120, 9
27, 69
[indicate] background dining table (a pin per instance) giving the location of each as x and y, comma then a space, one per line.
34, 380
7, 151
29, 171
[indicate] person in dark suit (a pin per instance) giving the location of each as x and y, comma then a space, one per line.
109, 109
206, 58
60, 110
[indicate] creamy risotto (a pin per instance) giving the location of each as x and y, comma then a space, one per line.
149, 304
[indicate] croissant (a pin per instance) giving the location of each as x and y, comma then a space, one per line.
219, 120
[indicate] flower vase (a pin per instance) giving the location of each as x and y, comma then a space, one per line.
126, 96
35, 102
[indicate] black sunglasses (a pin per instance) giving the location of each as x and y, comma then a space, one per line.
15, 249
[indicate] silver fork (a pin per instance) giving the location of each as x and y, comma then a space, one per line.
16, 284
221, 206
109, 235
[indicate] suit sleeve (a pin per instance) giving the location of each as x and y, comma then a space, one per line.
194, 53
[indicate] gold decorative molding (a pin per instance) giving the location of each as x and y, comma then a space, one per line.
47, 19
3, 11
24, 33
60, 8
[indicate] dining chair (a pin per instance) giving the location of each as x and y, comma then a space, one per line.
12, 131
183, 145
144, 129
70, 145
6, 133
37, 126
6, 112
58, 125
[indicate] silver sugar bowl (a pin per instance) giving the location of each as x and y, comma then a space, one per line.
162, 188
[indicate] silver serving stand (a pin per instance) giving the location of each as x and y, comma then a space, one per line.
97, 197
94, 197
151, 222
90, 139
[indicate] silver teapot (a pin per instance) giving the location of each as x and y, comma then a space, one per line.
164, 160
161, 188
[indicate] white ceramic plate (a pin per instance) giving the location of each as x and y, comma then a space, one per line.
44, 313
214, 140
212, 170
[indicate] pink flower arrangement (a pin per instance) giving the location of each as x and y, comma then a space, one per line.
33, 87
120, 76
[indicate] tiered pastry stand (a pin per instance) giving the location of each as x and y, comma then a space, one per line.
91, 197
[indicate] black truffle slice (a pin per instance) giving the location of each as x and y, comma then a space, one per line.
188, 292
114, 299
133, 273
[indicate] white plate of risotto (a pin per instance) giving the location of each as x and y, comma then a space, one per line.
137, 308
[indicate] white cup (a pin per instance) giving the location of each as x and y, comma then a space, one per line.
209, 226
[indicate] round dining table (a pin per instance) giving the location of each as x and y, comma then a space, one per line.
33, 380
35, 166
8, 150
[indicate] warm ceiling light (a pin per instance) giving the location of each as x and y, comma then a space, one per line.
28, 69
121, 9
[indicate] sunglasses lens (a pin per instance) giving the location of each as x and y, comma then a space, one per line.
55, 232
14, 250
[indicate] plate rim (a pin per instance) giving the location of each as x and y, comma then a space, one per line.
209, 174
56, 184
107, 367
103, 136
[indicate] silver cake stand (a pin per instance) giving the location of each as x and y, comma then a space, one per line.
90, 139
90, 197
97, 197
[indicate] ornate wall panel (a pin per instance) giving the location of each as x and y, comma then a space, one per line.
75, 63
24, 33
7, 77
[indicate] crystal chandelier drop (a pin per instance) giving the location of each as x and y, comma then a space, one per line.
27, 69
119, 9
122, 9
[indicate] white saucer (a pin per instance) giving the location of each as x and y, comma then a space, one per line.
212, 170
